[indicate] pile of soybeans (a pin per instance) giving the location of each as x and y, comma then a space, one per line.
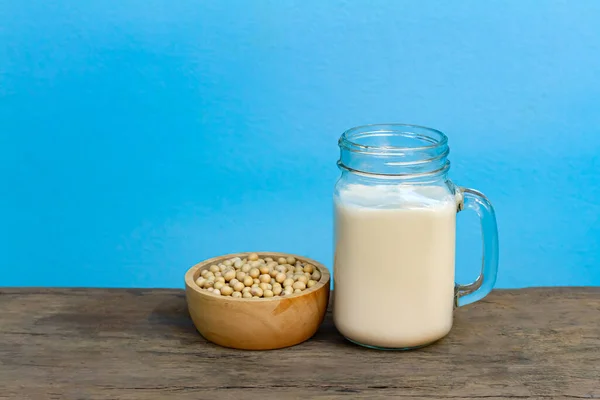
256, 277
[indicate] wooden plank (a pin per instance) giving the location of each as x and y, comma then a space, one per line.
141, 344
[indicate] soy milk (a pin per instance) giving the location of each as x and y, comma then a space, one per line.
394, 264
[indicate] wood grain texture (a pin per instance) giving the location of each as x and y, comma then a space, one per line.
141, 344
257, 324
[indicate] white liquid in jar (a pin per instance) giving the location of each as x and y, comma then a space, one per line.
394, 264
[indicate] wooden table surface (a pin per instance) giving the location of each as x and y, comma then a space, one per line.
141, 344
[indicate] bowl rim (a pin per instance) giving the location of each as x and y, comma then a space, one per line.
191, 284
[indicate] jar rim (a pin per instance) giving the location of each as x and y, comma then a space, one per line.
348, 139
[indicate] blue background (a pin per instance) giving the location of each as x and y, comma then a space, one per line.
138, 137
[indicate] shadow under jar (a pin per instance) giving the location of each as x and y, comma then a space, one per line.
395, 229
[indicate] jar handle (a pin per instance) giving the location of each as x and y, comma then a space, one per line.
473, 200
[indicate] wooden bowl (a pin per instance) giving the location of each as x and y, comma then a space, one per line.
257, 324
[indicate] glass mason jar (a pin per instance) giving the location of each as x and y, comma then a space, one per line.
395, 228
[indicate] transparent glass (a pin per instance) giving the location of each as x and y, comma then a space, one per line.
395, 237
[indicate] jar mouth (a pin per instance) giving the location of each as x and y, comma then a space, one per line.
398, 150
394, 138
